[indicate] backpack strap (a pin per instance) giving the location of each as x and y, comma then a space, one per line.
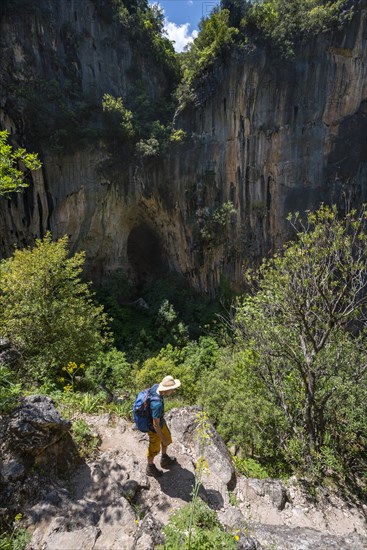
153, 396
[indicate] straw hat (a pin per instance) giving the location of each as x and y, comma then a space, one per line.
169, 383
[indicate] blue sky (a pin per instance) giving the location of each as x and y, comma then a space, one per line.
182, 18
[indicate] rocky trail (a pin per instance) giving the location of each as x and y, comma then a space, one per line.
110, 504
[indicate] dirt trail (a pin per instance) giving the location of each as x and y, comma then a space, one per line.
110, 499
169, 492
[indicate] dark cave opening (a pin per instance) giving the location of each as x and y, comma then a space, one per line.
145, 253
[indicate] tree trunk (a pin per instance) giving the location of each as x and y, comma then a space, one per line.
310, 411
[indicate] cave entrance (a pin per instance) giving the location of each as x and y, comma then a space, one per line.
145, 253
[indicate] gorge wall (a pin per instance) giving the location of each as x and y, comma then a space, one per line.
265, 137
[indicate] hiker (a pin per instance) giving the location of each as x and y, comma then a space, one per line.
160, 438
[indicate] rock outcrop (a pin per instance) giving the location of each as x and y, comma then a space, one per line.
9, 355
34, 439
268, 135
185, 429
35, 426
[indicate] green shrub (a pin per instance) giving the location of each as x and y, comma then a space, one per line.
175, 314
17, 538
119, 119
201, 355
206, 533
177, 136
238, 405
9, 390
214, 39
11, 177
250, 468
188, 363
148, 148
286, 22
156, 368
110, 369
86, 441
304, 323
211, 223
47, 311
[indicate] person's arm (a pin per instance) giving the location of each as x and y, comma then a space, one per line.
158, 429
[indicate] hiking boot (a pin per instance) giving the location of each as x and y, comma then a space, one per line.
167, 461
152, 471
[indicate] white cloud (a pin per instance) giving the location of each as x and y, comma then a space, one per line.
179, 34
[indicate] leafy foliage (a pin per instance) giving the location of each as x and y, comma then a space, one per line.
280, 23
47, 311
118, 116
212, 222
144, 23
240, 408
110, 369
284, 22
207, 532
213, 41
9, 389
155, 368
250, 468
12, 178
16, 538
305, 326
175, 314
86, 441
190, 363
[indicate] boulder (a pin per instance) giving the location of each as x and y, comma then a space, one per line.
35, 426
272, 490
82, 538
149, 534
8, 354
183, 425
34, 446
248, 543
12, 470
302, 538
232, 518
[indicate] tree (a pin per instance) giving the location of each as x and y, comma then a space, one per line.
284, 21
214, 39
305, 322
12, 178
119, 118
47, 311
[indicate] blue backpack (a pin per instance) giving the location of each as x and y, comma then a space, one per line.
141, 410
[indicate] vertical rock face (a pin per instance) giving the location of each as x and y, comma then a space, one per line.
265, 137
278, 136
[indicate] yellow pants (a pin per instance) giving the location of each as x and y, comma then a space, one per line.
155, 442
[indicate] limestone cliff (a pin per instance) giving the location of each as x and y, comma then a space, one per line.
267, 135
